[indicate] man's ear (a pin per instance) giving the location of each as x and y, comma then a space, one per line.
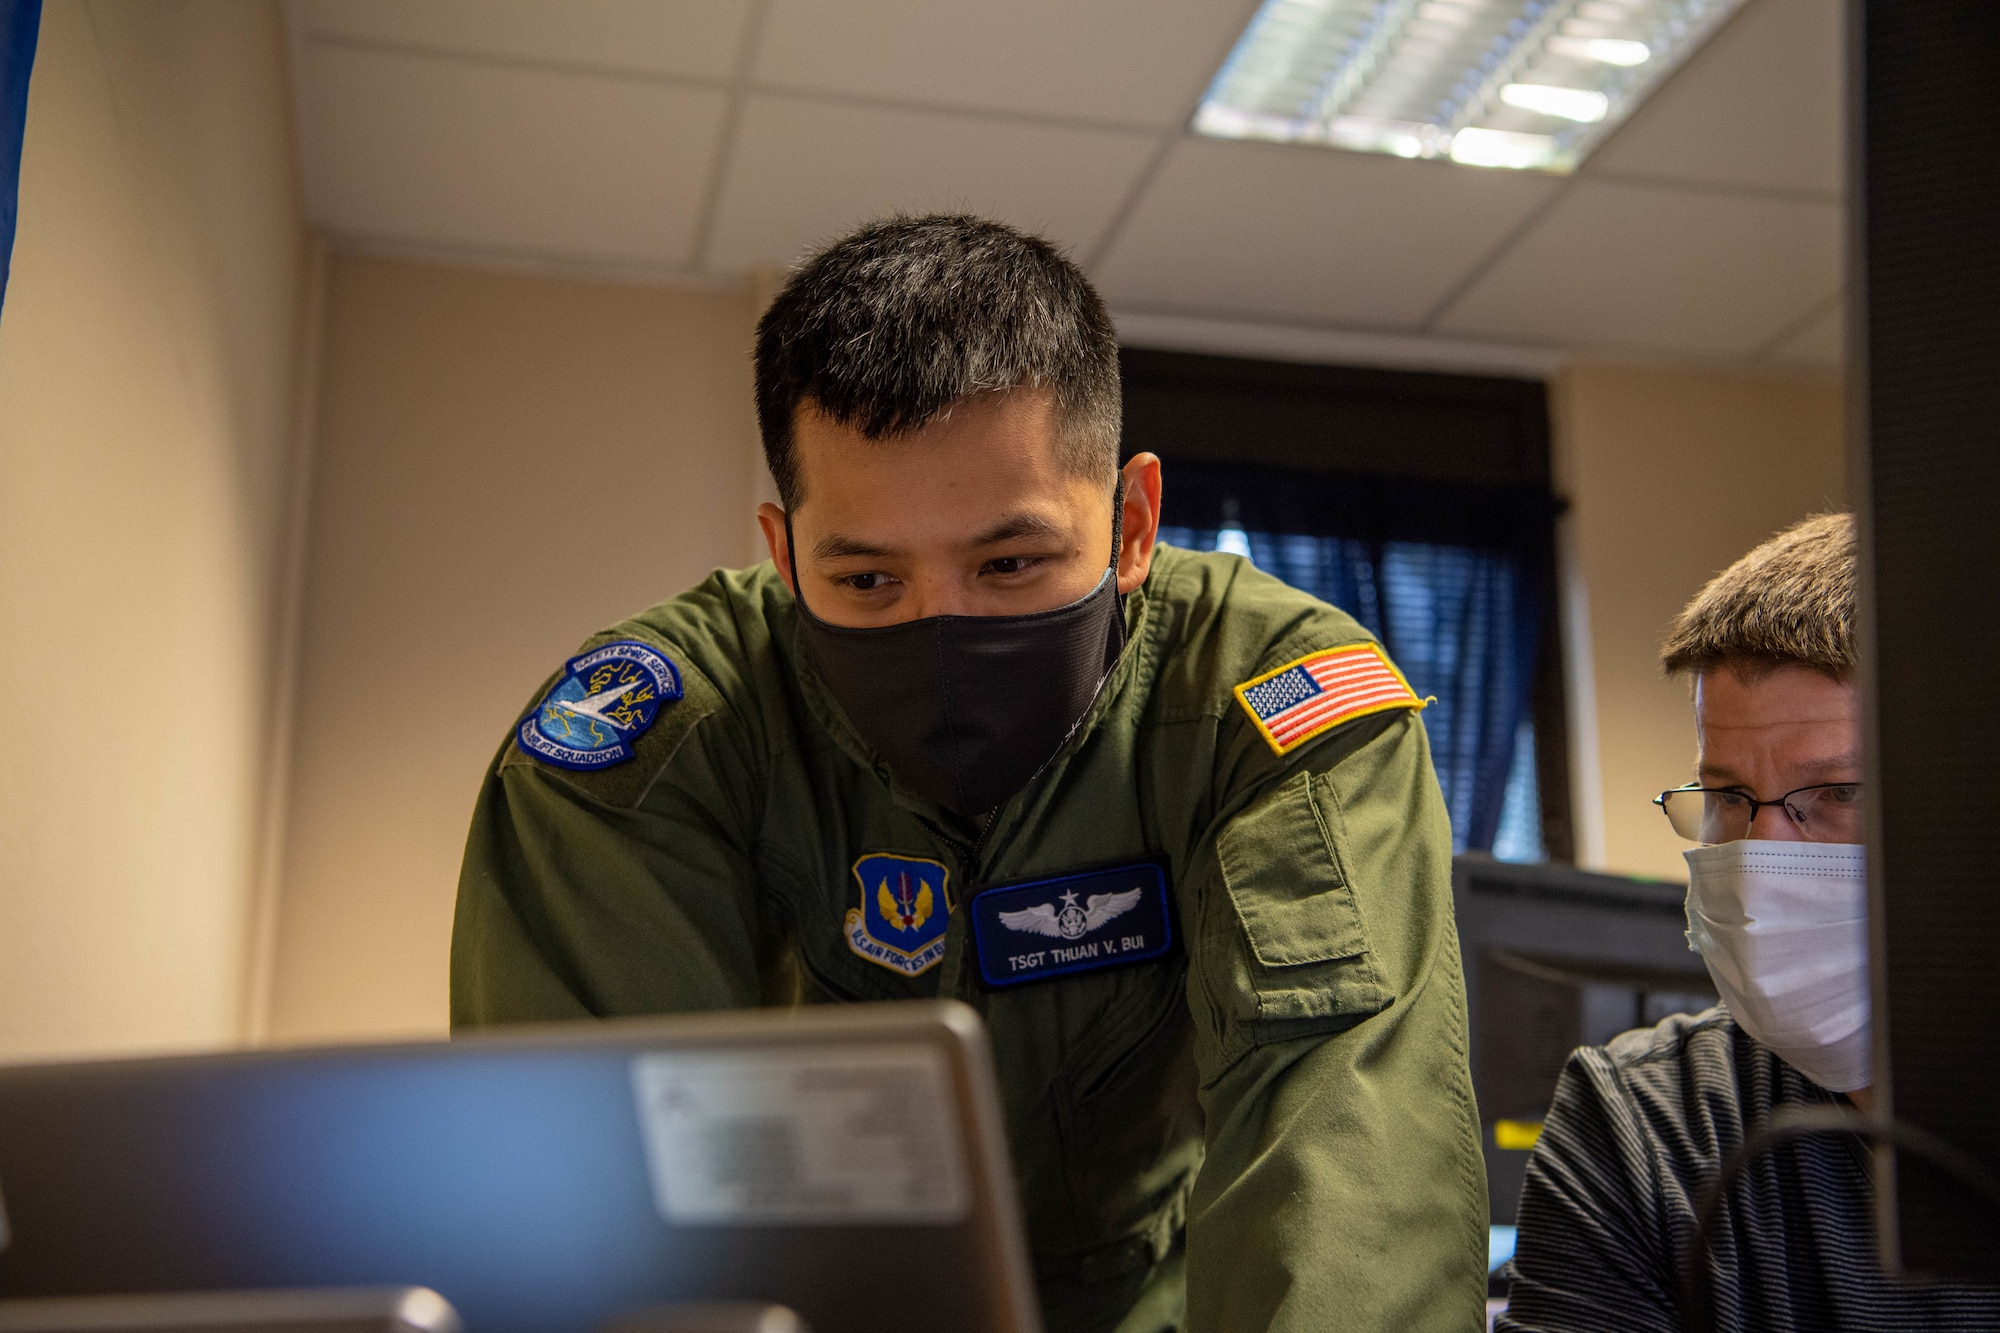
1141, 520
772, 520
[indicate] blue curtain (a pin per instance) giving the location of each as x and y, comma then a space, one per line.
1462, 618
20, 25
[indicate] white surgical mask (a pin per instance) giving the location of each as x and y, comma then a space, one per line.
1783, 928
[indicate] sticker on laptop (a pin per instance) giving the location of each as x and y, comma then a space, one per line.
787, 1136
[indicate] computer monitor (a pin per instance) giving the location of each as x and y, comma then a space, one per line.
1557, 958
848, 1162
1923, 349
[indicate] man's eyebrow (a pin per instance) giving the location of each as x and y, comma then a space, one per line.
1844, 761
1013, 527
1836, 764
839, 546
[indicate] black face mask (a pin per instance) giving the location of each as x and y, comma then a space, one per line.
966, 709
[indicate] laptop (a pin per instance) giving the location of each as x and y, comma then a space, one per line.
337, 1310
848, 1162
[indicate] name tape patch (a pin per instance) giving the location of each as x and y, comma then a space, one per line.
607, 699
1320, 691
1074, 923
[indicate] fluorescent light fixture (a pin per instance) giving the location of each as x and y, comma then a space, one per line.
1502, 148
1604, 50
1577, 104
1535, 84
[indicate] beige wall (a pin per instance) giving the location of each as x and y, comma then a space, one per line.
149, 371
504, 465
1671, 477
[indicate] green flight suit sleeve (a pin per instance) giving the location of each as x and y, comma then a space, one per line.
625, 890
1343, 1185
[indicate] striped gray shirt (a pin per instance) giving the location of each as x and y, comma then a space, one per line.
1636, 1129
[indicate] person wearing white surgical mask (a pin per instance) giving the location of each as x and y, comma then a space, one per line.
1777, 909
1778, 894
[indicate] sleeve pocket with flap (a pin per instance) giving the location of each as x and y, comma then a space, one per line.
1308, 967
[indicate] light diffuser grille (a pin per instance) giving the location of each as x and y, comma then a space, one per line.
1527, 84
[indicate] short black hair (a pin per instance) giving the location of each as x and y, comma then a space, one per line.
890, 325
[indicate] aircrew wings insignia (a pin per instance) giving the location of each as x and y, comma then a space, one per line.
1070, 921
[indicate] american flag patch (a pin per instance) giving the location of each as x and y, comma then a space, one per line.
1301, 699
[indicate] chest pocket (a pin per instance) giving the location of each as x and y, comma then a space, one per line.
1303, 965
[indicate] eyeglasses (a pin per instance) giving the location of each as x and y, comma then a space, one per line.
1825, 812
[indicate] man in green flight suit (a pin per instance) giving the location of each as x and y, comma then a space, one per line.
1170, 825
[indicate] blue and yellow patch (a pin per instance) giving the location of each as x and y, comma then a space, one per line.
905, 907
607, 699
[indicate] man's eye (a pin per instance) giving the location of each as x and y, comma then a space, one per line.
864, 582
1009, 564
1732, 799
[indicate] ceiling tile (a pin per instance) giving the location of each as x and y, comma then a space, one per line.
1309, 233
1140, 62
1642, 266
442, 151
804, 171
1759, 106
1822, 342
688, 38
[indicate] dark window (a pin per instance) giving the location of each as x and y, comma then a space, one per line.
1420, 504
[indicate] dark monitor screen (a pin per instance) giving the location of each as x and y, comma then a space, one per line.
1557, 958
1927, 436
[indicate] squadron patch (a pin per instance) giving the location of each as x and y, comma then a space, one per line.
1320, 691
606, 700
1074, 923
905, 907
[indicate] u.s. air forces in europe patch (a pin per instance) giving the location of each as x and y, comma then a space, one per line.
606, 700
1320, 691
905, 907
